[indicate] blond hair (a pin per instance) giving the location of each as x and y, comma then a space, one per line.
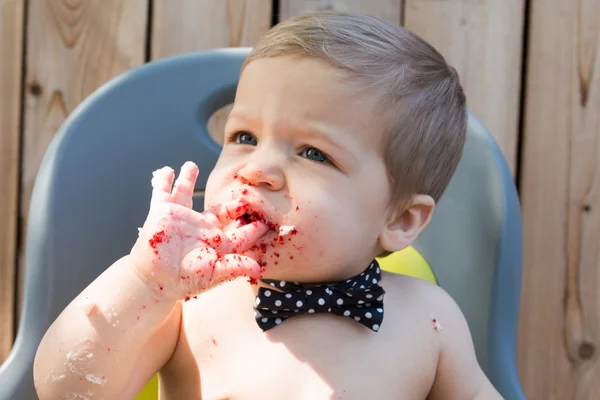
417, 92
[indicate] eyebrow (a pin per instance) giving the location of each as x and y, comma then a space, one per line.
236, 114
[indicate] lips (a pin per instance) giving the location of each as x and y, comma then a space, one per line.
256, 216
244, 220
253, 215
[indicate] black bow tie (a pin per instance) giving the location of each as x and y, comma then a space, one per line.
359, 298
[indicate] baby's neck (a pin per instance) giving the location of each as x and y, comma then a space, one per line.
262, 284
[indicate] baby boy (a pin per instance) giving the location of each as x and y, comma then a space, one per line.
344, 134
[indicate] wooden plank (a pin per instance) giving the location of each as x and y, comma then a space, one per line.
389, 10
483, 41
560, 192
72, 49
182, 26
11, 37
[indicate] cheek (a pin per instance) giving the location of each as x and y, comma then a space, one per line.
322, 222
212, 193
311, 220
346, 220
327, 237
374, 198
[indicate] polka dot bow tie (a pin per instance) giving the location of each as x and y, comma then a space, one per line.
359, 298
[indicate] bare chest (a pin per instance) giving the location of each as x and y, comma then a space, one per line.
304, 358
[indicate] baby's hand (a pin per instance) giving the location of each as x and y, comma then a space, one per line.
181, 252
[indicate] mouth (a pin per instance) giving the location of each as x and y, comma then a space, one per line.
256, 216
265, 251
244, 219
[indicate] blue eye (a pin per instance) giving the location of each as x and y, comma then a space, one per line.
315, 155
245, 138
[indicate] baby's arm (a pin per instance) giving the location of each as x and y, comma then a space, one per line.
109, 341
124, 326
458, 376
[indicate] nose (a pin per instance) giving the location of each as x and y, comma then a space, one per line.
263, 173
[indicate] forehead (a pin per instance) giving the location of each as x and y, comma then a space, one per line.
301, 90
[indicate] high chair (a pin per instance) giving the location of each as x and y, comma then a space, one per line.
93, 191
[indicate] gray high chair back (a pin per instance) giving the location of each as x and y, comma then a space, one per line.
93, 191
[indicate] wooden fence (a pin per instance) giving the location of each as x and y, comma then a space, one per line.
531, 70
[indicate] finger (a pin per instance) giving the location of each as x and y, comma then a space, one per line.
244, 237
162, 181
223, 213
232, 266
184, 185
230, 225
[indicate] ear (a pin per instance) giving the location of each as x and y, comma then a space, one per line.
405, 225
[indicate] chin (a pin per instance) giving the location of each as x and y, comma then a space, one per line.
271, 255
275, 247
279, 261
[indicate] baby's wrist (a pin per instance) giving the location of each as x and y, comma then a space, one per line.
122, 308
152, 286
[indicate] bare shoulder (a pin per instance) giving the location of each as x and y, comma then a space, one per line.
428, 309
415, 295
458, 374
435, 312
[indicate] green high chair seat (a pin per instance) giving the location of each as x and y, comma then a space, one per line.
93, 191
